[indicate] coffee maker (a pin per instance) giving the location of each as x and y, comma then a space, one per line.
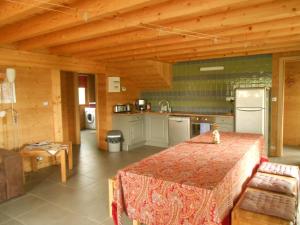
140, 105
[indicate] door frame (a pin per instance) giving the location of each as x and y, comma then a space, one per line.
77, 112
281, 92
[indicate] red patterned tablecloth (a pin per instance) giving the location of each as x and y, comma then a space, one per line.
192, 183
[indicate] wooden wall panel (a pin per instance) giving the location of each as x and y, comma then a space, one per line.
291, 136
107, 100
35, 120
70, 110
276, 141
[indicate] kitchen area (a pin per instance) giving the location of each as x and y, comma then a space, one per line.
230, 94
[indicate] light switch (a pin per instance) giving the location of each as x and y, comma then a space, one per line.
274, 99
46, 103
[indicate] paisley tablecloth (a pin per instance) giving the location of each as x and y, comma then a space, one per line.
192, 183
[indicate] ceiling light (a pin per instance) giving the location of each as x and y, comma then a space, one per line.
212, 68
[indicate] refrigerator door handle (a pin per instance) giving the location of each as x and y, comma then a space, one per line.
250, 109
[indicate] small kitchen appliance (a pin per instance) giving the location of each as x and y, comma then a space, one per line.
120, 108
140, 104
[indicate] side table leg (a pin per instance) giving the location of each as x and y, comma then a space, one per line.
70, 156
63, 166
33, 163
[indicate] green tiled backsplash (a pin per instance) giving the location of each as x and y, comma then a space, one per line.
206, 92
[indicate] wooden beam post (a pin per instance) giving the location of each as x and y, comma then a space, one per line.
57, 106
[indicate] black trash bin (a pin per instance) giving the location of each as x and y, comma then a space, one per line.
114, 140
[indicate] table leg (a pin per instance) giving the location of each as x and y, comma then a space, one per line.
70, 156
33, 163
63, 166
111, 184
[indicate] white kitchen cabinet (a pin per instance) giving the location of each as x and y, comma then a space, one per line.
225, 123
133, 129
157, 130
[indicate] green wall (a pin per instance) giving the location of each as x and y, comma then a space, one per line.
206, 92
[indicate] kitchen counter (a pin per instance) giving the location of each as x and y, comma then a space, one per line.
178, 114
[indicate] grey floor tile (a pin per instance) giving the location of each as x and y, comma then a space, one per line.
44, 215
12, 222
109, 221
83, 199
4, 218
79, 181
21, 205
74, 219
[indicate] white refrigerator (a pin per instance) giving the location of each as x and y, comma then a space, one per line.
252, 112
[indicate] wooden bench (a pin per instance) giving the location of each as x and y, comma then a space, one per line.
243, 217
111, 188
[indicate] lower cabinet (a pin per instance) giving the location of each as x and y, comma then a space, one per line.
132, 128
152, 129
157, 130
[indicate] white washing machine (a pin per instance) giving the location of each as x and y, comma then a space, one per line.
90, 118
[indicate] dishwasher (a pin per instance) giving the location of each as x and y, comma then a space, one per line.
179, 129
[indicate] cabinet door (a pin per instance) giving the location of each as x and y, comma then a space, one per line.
179, 130
157, 130
136, 131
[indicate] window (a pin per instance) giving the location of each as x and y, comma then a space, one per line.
81, 95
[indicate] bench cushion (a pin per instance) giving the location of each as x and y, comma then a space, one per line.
279, 169
279, 184
269, 203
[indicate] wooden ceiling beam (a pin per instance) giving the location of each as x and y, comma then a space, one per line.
16, 10
261, 23
165, 12
12, 57
196, 43
293, 39
207, 45
234, 53
269, 28
237, 49
68, 17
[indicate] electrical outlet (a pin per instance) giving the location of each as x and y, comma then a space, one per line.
39, 158
46, 103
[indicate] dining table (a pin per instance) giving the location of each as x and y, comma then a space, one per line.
195, 182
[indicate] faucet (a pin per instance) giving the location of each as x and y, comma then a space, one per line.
164, 106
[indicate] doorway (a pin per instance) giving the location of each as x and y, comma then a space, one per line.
291, 122
78, 94
87, 110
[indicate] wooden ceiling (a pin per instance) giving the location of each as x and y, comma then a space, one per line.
162, 30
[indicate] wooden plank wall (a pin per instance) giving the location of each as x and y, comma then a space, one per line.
35, 120
32, 90
275, 148
291, 134
107, 100
70, 109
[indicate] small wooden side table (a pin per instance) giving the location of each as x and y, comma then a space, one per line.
62, 153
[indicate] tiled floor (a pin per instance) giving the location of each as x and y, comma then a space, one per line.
83, 200
291, 155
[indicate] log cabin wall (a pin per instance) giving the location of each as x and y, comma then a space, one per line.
106, 101
291, 136
34, 108
277, 112
70, 112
